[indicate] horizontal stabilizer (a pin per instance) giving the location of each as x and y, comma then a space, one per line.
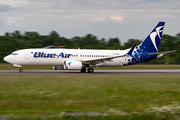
158, 53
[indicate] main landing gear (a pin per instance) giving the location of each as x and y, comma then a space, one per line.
83, 70
90, 70
20, 70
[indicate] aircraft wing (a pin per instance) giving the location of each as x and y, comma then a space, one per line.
159, 53
102, 60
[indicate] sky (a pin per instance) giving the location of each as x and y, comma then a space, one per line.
124, 19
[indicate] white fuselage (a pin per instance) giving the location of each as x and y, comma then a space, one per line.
56, 57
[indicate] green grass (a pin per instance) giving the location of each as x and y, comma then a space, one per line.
134, 117
29, 95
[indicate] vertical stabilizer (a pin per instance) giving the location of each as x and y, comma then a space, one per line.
152, 41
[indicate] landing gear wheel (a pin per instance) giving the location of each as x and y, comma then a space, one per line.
83, 70
90, 70
20, 70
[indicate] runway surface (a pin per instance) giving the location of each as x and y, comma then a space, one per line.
96, 72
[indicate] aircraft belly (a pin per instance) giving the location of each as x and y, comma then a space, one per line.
113, 63
117, 62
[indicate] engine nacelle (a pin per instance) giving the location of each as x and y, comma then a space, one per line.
72, 65
58, 67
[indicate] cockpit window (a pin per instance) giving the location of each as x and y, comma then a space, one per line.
14, 53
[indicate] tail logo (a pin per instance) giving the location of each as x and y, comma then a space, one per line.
154, 34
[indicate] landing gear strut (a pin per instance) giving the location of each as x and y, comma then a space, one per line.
83, 70
90, 70
21, 70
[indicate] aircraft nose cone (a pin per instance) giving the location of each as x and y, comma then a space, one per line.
7, 58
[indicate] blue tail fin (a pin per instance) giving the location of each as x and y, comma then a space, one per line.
152, 41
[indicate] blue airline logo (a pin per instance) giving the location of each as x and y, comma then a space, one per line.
50, 55
69, 63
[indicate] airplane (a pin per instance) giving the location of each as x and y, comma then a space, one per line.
79, 59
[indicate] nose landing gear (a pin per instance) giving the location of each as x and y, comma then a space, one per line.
21, 70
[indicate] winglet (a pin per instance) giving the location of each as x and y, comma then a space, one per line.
131, 50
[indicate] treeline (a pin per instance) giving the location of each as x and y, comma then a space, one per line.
15, 41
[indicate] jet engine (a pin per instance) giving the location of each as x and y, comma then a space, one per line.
72, 65
58, 67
